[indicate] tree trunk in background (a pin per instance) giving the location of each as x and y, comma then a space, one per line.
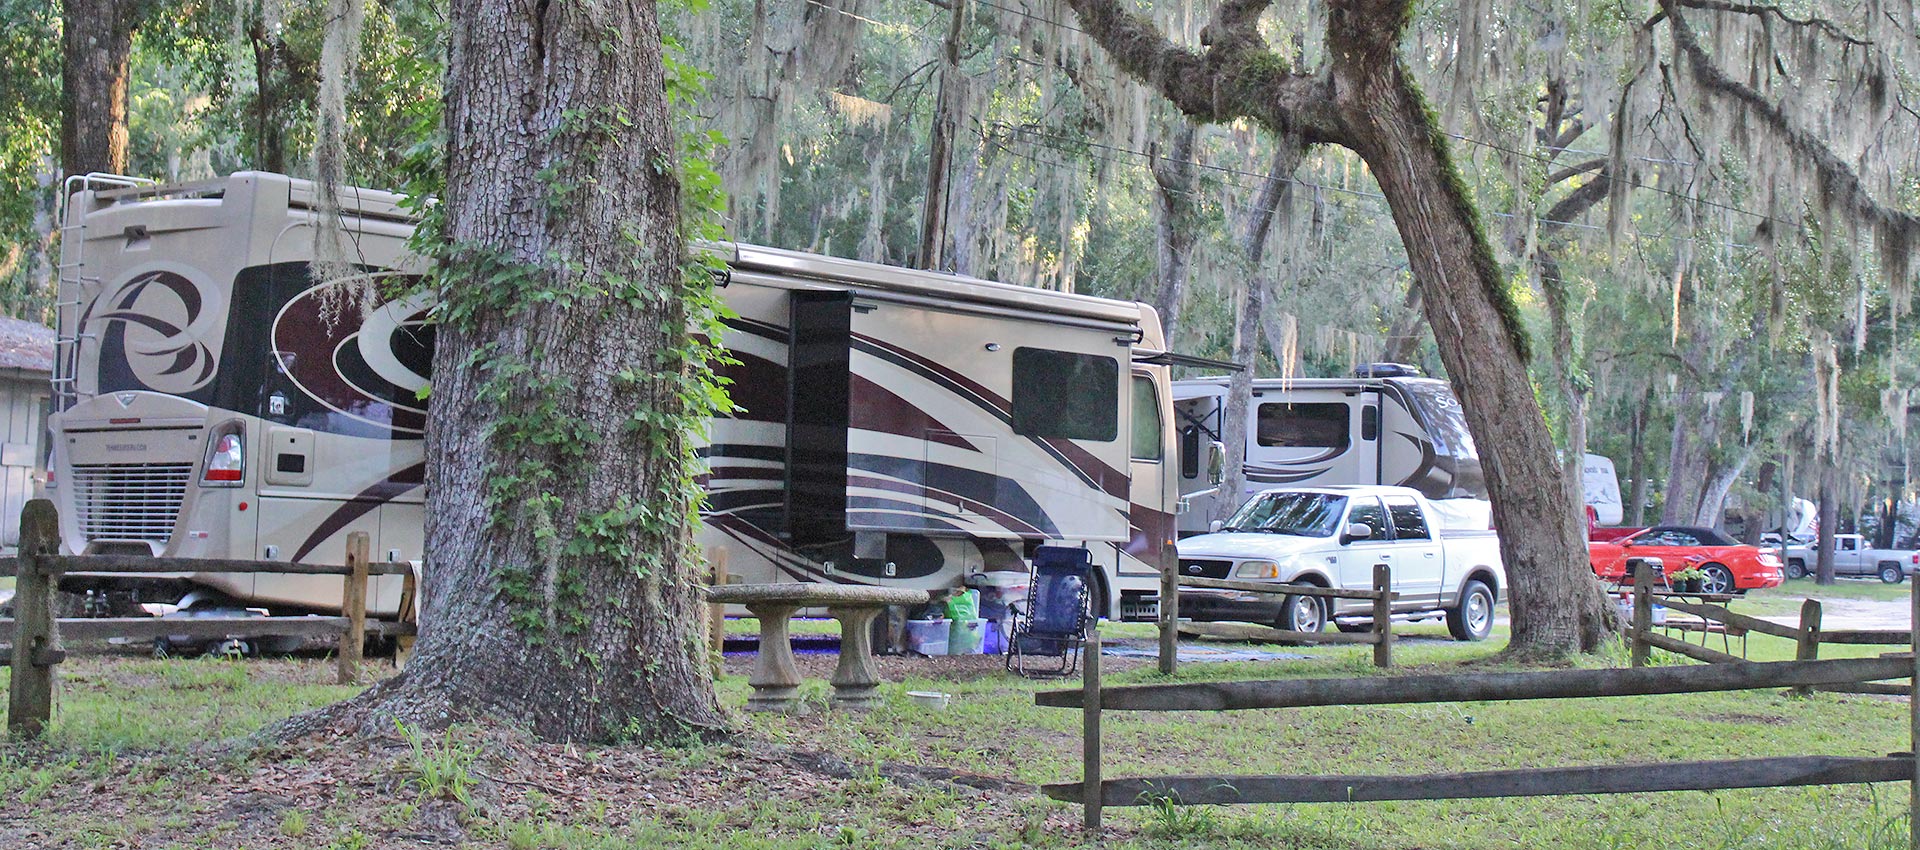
1173, 225
281, 84
1637, 465
564, 594
1403, 339
1249, 309
1829, 522
946, 117
1686, 462
96, 42
1713, 499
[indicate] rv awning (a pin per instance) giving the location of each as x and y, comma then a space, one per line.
1168, 358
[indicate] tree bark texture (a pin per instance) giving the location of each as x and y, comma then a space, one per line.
1637, 464
1173, 224
1566, 368
282, 83
1365, 99
546, 604
97, 43
1274, 193
946, 117
1829, 521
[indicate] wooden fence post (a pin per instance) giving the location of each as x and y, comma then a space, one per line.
1809, 639
1642, 611
1913, 719
1170, 619
717, 613
1091, 800
1382, 616
30, 693
353, 641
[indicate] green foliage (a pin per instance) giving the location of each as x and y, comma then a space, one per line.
440, 770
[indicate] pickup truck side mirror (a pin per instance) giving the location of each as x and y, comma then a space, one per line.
1214, 526
1216, 462
1358, 531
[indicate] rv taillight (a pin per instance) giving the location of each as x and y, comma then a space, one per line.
226, 463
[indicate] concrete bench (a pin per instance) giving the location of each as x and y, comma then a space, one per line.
776, 679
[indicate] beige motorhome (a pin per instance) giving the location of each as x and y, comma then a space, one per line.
899, 427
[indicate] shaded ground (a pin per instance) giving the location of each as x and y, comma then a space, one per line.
124, 767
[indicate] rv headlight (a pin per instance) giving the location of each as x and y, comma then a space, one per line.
1257, 569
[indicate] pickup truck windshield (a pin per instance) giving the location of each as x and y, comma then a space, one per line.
1300, 514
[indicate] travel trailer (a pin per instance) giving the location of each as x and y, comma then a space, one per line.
1601, 486
1385, 426
899, 427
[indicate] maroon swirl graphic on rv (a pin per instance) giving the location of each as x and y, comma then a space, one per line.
152, 334
368, 364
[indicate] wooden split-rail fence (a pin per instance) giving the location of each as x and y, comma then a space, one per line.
1380, 636
1095, 792
38, 636
1644, 635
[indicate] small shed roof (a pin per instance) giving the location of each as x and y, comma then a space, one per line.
26, 345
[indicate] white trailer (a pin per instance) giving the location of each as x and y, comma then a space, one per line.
900, 427
1390, 427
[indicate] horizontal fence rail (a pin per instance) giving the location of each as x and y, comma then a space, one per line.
1534, 782
1380, 636
1473, 687
141, 564
1644, 635
1857, 675
37, 637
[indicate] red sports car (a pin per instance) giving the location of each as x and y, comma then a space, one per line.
1726, 566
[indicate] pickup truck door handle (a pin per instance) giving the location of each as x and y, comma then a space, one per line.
1429, 554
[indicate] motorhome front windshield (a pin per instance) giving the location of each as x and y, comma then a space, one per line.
1298, 514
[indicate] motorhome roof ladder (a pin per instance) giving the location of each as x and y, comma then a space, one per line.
74, 279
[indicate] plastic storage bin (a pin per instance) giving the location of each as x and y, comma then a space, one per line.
927, 637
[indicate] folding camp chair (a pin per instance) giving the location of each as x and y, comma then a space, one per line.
1053, 623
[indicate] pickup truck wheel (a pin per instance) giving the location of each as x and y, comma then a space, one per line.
1716, 578
1890, 572
1472, 619
1302, 614
1796, 569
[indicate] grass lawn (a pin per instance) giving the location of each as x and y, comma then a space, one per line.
122, 767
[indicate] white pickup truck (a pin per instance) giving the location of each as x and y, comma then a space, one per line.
1852, 557
1332, 537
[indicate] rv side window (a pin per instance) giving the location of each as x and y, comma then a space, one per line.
1148, 444
1314, 426
1065, 395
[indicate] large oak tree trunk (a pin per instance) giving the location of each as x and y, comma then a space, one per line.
1557, 606
97, 43
562, 591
